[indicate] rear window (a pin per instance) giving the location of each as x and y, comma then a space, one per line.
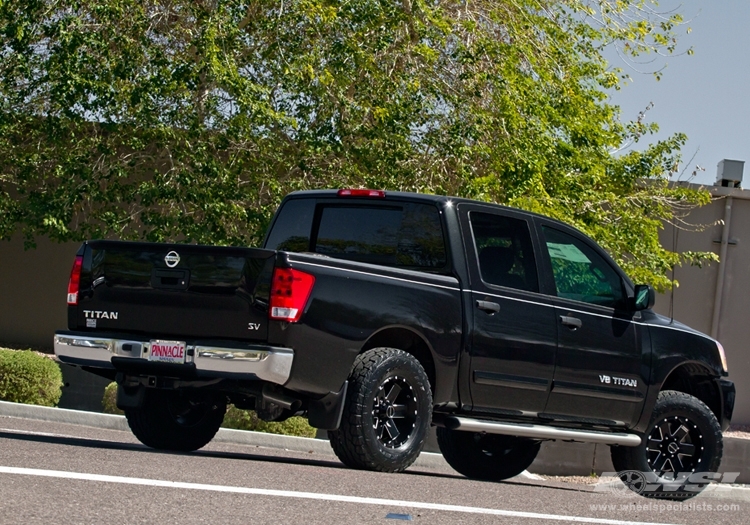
407, 235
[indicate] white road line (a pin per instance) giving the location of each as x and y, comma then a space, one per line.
310, 495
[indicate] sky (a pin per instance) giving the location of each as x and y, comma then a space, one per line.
706, 95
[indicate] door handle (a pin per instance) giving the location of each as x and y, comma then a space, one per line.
488, 306
571, 322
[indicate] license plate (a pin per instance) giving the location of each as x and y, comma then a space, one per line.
167, 351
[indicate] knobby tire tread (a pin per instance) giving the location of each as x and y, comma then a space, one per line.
348, 442
633, 458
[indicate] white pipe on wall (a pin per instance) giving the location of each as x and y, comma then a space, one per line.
722, 268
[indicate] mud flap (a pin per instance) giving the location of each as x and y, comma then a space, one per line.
130, 397
325, 413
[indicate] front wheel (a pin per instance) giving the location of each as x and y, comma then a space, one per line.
488, 457
387, 412
176, 419
681, 450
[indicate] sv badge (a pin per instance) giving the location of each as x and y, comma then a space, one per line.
253, 326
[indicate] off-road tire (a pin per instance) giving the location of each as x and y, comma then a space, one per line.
488, 457
365, 439
177, 420
682, 436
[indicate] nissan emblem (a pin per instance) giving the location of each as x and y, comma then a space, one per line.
172, 259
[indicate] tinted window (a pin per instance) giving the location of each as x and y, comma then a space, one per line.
291, 230
580, 272
405, 235
504, 250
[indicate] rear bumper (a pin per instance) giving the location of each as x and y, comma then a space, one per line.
253, 362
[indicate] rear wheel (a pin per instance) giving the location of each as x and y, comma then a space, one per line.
489, 457
682, 448
387, 412
176, 419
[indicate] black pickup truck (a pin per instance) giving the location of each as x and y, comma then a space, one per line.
377, 314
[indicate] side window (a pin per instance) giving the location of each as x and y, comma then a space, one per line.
580, 273
504, 250
405, 235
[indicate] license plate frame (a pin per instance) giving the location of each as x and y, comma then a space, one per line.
164, 351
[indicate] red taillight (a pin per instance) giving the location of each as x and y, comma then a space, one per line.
361, 193
75, 281
290, 290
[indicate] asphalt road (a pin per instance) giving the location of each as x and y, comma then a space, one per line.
60, 473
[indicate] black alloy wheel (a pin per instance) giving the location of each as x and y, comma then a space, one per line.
680, 452
675, 444
394, 412
387, 413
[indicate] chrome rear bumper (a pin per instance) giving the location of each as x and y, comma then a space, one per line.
259, 362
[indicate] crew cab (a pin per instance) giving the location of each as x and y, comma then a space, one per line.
378, 314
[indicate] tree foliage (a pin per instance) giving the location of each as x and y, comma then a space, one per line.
190, 120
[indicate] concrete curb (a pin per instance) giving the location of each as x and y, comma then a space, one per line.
64, 415
224, 435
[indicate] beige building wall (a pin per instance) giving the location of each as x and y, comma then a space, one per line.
33, 288
694, 301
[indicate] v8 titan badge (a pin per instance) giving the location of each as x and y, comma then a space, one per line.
172, 259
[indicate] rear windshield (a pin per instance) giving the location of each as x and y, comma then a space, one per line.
407, 235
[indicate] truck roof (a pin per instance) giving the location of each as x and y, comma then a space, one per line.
420, 197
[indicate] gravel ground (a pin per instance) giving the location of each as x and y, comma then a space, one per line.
735, 431
738, 431
582, 481
575, 480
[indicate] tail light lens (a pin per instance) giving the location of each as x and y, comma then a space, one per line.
75, 281
290, 290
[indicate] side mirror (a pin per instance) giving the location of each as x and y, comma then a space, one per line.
644, 297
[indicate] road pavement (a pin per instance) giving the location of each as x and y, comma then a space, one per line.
63, 473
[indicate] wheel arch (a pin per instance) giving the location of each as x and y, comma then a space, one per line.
697, 380
408, 340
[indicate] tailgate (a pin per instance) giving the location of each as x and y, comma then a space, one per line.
174, 290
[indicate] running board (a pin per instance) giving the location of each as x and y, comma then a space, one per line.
541, 432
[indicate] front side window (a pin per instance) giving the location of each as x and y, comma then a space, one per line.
504, 250
580, 273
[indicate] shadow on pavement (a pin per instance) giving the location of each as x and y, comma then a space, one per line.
242, 456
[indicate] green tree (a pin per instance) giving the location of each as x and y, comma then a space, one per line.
189, 120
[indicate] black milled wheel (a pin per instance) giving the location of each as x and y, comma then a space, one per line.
387, 412
177, 420
489, 457
682, 440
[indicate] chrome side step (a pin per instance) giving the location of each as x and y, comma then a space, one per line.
541, 432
